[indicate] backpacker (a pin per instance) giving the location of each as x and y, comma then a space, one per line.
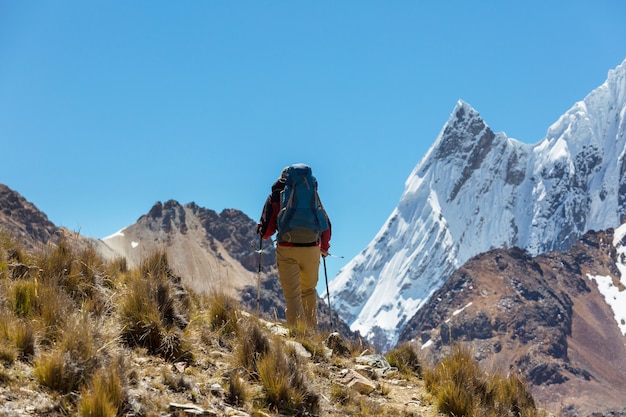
301, 218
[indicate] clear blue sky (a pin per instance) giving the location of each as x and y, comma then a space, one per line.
107, 107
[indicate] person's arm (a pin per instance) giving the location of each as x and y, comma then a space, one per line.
325, 239
269, 218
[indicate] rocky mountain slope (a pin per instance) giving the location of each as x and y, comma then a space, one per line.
477, 190
210, 251
24, 221
81, 336
213, 252
546, 316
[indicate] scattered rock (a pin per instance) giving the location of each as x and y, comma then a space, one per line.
217, 390
180, 367
191, 409
377, 363
275, 328
357, 382
337, 345
299, 349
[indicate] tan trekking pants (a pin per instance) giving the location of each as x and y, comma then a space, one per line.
298, 269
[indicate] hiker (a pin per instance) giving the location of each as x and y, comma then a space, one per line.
293, 210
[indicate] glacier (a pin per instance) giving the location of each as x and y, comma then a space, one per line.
476, 190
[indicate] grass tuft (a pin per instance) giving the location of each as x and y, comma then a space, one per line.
405, 359
237, 393
24, 338
461, 388
72, 361
253, 344
150, 313
8, 353
104, 397
341, 394
315, 346
24, 299
223, 314
155, 266
176, 382
57, 263
52, 371
284, 384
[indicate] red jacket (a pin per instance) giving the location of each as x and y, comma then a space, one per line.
269, 225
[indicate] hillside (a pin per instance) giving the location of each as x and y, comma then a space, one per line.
545, 316
80, 335
210, 251
24, 221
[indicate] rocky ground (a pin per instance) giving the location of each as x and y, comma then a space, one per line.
346, 385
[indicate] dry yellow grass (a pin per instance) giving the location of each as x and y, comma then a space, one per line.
81, 336
462, 388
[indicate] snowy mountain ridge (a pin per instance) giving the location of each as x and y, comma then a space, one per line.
477, 190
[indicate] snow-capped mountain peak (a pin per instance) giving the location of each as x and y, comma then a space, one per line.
476, 190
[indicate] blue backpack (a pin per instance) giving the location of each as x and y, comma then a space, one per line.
301, 218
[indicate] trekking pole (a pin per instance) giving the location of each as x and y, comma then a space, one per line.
330, 310
258, 290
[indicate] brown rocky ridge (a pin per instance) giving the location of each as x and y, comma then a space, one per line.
24, 221
543, 316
